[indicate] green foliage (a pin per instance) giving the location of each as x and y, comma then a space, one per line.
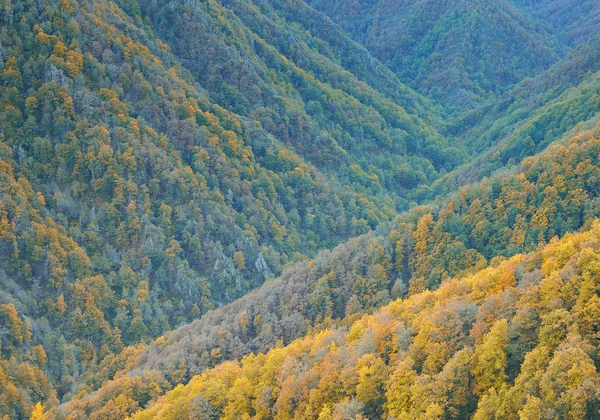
460, 52
573, 22
528, 118
261, 61
132, 202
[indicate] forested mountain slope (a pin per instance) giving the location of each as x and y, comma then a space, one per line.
132, 201
572, 21
286, 66
485, 126
160, 161
527, 118
518, 339
460, 51
554, 193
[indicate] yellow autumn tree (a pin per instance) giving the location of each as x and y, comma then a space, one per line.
489, 361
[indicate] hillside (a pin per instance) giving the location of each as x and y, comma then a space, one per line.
515, 340
572, 21
134, 201
286, 66
554, 193
526, 119
195, 190
460, 52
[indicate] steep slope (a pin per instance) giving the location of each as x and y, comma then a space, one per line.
555, 193
286, 66
458, 51
573, 21
23, 374
527, 118
160, 160
131, 202
518, 339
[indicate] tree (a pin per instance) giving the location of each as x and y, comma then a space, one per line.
399, 397
18, 330
532, 410
11, 74
38, 412
239, 260
370, 390
489, 361
453, 384
570, 387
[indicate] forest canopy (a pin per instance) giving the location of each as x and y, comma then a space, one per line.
229, 208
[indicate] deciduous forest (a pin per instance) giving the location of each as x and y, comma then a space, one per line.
291, 209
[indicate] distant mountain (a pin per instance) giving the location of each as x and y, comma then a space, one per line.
527, 118
460, 52
573, 21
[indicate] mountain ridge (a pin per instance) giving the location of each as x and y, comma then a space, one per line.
460, 52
